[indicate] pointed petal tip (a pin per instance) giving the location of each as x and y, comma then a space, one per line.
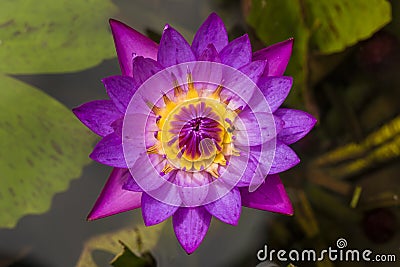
212, 30
270, 196
167, 27
129, 42
277, 55
190, 226
112, 22
297, 124
154, 211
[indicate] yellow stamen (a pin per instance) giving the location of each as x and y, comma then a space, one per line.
167, 168
217, 93
192, 92
220, 159
238, 110
154, 149
156, 110
167, 101
226, 101
213, 170
178, 91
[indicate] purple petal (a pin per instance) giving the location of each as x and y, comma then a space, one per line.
297, 124
144, 68
254, 170
277, 56
130, 43
109, 151
190, 226
270, 196
237, 53
209, 54
228, 208
113, 199
154, 211
120, 89
147, 174
98, 116
212, 31
174, 49
254, 70
191, 190
275, 90
254, 128
285, 158
131, 185
117, 126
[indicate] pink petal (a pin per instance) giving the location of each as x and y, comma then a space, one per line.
174, 49
192, 190
113, 199
270, 196
237, 53
109, 151
212, 31
144, 68
254, 70
227, 208
209, 54
277, 56
120, 89
130, 43
190, 226
98, 116
285, 158
255, 128
275, 90
297, 124
154, 211
255, 170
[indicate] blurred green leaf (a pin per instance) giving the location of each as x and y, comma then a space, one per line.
54, 36
128, 259
379, 147
275, 21
342, 23
139, 239
321, 27
43, 147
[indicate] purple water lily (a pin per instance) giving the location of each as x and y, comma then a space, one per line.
195, 131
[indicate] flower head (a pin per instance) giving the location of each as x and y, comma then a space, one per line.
194, 131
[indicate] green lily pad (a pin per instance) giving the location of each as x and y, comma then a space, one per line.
129, 259
318, 27
54, 36
342, 23
140, 239
43, 147
276, 21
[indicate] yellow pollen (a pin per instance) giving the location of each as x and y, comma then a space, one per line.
192, 92
209, 155
220, 159
167, 101
238, 110
154, 149
217, 93
167, 168
156, 110
213, 170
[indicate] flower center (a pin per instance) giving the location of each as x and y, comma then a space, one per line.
195, 130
